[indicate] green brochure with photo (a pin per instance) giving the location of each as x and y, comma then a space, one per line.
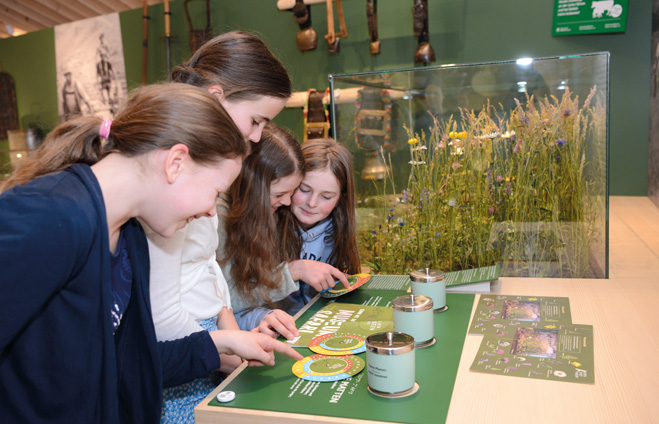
563, 353
495, 312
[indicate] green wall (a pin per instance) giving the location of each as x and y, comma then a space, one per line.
462, 31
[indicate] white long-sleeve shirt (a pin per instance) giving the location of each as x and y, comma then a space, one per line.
186, 282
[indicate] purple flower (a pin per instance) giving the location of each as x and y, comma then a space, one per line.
558, 159
526, 120
406, 195
374, 232
561, 142
491, 209
566, 112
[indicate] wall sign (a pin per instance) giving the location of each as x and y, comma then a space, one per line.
576, 17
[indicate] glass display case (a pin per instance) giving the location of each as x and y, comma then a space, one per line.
463, 166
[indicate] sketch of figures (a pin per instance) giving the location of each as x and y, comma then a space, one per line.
90, 63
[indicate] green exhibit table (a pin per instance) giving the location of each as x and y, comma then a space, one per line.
277, 389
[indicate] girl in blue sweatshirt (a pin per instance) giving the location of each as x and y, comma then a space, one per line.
318, 236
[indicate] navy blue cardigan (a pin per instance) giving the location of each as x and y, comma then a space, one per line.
59, 361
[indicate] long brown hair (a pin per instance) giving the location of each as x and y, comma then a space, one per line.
154, 117
253, 244
238, 62
320, 154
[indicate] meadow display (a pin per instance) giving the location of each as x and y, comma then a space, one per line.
467, 166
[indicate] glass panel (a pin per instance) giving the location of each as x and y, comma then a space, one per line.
462, 166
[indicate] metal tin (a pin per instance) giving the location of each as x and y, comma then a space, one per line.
390, 363
431, 283
413, 315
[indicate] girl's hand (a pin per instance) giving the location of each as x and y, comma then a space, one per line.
278, 322
230, 363
319, 275
257, 349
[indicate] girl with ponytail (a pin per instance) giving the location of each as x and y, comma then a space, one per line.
77, 342
188, 290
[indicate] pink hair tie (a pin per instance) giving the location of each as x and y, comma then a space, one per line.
104, 130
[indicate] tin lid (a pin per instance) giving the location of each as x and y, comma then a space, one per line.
390, 343
412, 303
427, 275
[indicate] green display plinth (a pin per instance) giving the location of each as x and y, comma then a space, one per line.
277, 389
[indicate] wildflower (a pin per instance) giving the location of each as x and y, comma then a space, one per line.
558, 159
442, 145
508, 134
414, 162
456, 165
458, 135
412, 141
374, 232
491, 209
401, 222
546, 121
406, 195
561, 142
525, 120
508, 190
499, 178
516, 148
451, 201
566, 112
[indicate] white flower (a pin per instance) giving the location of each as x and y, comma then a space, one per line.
451, 201
413, 162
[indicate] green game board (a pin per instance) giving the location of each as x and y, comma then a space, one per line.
277, 389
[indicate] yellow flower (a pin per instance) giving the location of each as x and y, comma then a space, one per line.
412, 140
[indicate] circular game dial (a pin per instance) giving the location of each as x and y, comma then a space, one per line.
355, 281
328, 368
337, 344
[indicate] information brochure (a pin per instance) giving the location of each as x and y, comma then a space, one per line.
495, 312
562, 353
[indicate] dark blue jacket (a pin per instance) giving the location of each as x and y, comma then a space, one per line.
59, 361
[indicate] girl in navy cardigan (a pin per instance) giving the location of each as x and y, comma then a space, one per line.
77, 342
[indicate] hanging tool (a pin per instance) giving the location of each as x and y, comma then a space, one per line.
168, 37
372, 18
198, 36
333, 38
145, 37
